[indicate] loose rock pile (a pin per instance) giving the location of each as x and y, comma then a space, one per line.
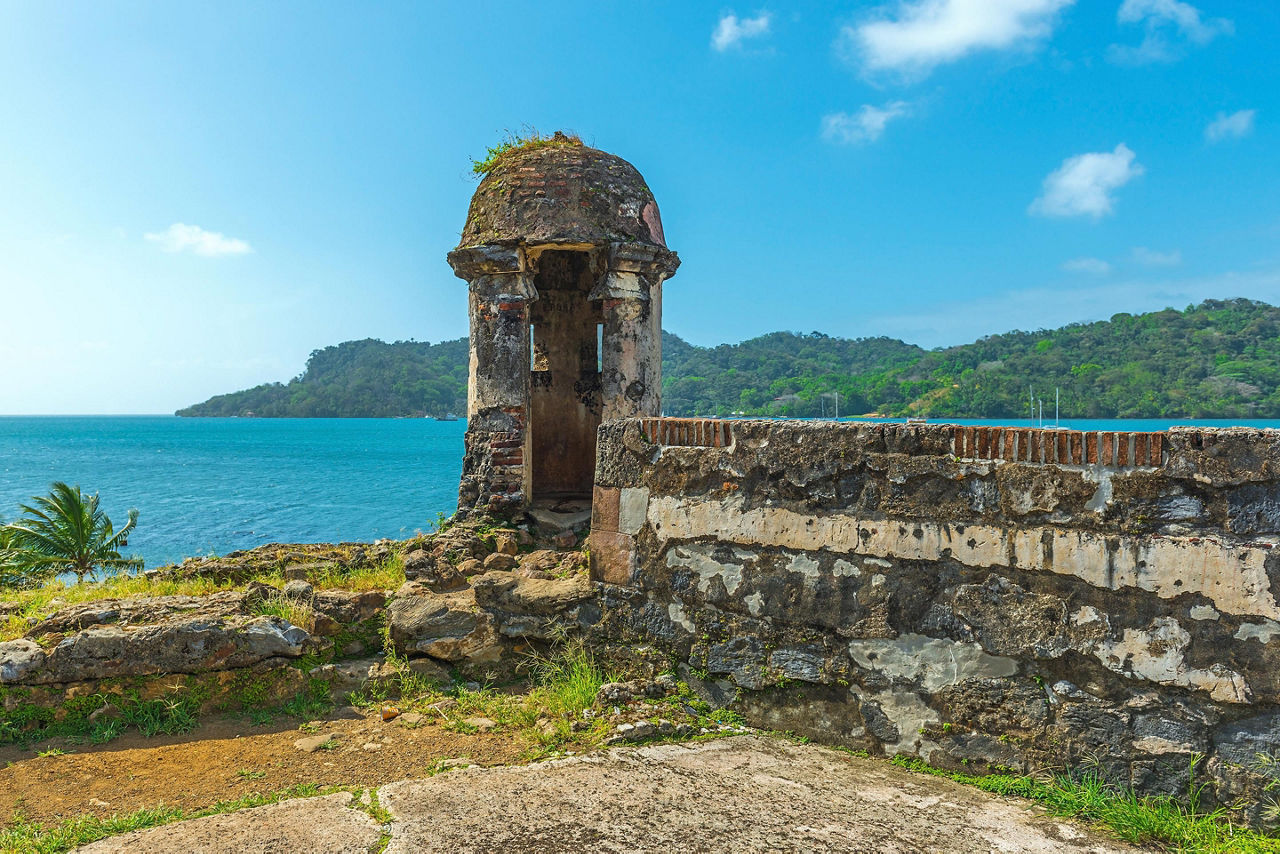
472, 597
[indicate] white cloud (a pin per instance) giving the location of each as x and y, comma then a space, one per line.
192, 238
1234, 126
1093, 266
1151, 258
731, 31
917, 35
866, 125
1083, 185
1162, 19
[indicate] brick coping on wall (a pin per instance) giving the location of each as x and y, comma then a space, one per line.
1052, 446
688, 432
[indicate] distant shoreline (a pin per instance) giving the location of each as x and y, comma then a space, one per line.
1217, 360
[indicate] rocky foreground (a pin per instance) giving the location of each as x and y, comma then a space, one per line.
747, 793
473, 601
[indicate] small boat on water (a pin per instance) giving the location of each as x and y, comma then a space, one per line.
917, 420
448, 416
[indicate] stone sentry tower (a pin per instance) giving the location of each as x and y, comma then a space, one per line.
564, 256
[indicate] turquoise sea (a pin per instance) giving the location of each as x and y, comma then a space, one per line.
213, 485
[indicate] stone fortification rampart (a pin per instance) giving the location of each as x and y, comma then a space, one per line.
979, 597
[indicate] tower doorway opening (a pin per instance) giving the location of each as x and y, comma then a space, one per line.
564, 379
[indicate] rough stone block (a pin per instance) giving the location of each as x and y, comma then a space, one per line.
613, 557
605, 508
633, 507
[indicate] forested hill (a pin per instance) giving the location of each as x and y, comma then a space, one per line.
359, 379
1217, 359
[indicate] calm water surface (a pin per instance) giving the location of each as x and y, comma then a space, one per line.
212, 485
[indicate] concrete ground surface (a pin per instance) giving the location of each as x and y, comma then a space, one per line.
748, 793
325, 824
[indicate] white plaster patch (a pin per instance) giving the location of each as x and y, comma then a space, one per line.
909, 714
1156, 655
1102, 495
633, 509
696, 556
844, 569
934, 663
1204, 612
1261, 632
754, 603
1230, 575
676, 612
805, 565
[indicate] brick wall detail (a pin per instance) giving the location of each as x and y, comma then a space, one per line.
1011, 444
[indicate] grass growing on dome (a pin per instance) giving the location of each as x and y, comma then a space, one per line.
527, 139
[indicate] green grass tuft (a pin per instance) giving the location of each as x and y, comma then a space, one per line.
527, 139
24, 837
1141, 820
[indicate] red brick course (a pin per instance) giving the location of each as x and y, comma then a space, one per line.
688, 432
1012, 444
1058, 447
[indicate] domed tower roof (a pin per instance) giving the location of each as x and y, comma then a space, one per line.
562, 193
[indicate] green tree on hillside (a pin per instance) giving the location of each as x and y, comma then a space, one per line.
1218, 359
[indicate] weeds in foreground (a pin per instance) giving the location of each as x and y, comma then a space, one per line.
562, 684
21, 836
294, 611
80, 719
1161, 820
567, 681
101, 717
25, 837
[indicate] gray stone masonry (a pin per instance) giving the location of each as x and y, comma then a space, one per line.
981, 599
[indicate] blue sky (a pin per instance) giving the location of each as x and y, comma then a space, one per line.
195, 196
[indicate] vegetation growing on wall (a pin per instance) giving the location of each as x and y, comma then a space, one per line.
526, 140
1220, 359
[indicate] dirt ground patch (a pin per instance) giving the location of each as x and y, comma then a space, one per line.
226, 759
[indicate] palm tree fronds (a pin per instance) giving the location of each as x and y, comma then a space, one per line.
64, 531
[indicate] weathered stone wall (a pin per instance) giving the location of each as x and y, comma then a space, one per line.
978, 598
